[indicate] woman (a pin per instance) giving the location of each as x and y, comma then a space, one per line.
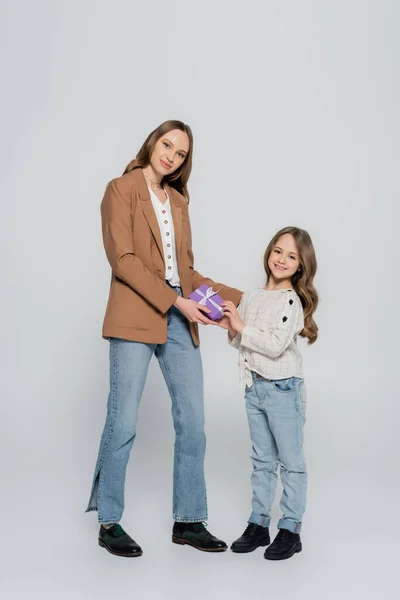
147, 238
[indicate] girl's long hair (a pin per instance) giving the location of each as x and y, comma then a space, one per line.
302, 280
179, 178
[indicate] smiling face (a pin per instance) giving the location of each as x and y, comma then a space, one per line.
170, 152
284, 259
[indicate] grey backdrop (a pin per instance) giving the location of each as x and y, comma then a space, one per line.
295, 111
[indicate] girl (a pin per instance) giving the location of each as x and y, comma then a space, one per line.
147, 238
265, 330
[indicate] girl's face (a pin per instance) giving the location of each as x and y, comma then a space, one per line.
170, 152
284, 259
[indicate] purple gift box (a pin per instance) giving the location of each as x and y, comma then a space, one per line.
207, 297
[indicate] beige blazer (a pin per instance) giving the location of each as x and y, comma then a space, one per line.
139, 297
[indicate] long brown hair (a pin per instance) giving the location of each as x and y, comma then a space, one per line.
179, 178
303, 279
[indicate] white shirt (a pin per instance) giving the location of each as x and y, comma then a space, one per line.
166, 225
268, 343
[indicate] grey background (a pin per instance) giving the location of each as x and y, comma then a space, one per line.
295, 111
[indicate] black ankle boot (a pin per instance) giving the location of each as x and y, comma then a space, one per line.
118, 542
196, 535
284, 545
253, 537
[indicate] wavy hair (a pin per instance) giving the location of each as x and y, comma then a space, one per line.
179, 178
303, 279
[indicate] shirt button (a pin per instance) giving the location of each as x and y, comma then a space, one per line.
167, 233
169, 268
168, 245
169, 256
163, 212
166, 222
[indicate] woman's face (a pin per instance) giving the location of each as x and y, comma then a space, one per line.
284, 259
170, 152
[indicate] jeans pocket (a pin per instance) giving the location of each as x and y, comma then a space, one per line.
286, 385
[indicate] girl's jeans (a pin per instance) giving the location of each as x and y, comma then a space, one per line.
276, 415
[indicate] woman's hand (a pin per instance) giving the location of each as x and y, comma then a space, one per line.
193, 311
233, 323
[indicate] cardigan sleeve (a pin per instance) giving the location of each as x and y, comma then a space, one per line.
236, 341
286, 322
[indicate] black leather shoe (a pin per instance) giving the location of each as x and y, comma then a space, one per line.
196, 535
253, 537
118, 542
284, 545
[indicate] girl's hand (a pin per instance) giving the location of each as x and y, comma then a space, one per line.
224, 323
193, 311
235, 322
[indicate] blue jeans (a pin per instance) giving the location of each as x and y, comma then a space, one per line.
181, 365
276, 415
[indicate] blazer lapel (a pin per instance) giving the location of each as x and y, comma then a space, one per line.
177, 219
151, 218
148, 210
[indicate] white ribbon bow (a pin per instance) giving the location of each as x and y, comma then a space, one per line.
208, 296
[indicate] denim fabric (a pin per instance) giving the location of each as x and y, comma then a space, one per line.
276, 415
180, 363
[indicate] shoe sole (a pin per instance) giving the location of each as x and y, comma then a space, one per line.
131, 555
262, 545
184, 542
285, 556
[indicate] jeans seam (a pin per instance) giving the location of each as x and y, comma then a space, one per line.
112, 422
179, 425
303, 402
299, 411
178, 411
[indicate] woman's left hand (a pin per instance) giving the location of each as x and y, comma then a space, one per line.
231, 312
